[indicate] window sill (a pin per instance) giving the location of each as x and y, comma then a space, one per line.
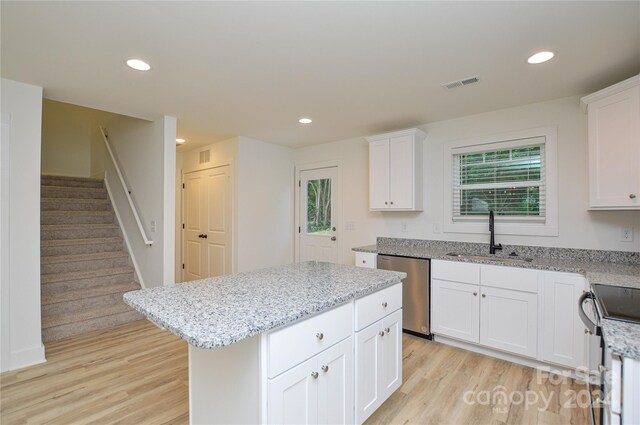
523, 229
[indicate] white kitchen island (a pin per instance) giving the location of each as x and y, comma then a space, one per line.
303, 343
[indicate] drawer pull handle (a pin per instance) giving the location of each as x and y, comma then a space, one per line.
475, 294
325, 368
484, 295
314, 375
320, 335
381, 333
384, 304
387, 330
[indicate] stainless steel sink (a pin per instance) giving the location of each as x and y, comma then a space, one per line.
491, 258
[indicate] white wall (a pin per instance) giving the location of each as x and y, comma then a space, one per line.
265, 205
145, 152
71, 141
262, 181
578, 228
20, 197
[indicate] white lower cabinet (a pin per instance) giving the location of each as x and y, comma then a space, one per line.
509, 320
319, 390
378, 364
563, 334
455, 310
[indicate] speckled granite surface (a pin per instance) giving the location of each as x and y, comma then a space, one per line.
220, 311
622, 338
615, 268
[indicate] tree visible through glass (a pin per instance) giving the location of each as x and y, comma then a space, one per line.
319, 207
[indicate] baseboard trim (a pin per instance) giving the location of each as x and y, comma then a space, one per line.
26, 357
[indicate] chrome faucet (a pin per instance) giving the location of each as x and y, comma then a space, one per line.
492, 242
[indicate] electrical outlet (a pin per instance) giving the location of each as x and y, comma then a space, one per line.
436, 227
404, 226
626, 234
349, 225
153, 226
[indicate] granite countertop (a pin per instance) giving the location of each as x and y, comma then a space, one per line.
611, 268
220, 311
602, 272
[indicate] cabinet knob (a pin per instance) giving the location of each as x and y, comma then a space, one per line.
314, 375
631, 196
387, 330
386, 203
319, 335
384, 304
484, 295
475, 294
391, 202
381, 333
587, 331
325, 368
364, 261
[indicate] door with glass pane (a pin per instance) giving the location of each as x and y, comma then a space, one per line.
318, 231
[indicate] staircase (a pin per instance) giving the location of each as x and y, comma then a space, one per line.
84, 267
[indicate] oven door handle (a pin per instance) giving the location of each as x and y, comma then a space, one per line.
591, 327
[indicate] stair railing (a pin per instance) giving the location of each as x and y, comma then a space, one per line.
134, 210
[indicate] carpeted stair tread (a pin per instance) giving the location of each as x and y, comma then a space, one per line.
52, 320
85, 241
78, 226
53, 259
72, 329
54, 188
61, 277
78, 213
76, 201
94, 291
69, 178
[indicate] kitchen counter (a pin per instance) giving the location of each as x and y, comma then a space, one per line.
599, 267
592, 264
224, 310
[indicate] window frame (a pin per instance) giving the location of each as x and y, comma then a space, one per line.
511, 225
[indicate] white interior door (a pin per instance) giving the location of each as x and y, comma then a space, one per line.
318, 225
207, 224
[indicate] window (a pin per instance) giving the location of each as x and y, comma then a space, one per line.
510, 182
513, 175
319, 207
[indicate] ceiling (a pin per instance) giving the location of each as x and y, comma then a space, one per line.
357, 68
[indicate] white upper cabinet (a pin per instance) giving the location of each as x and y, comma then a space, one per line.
614, 146
395, 171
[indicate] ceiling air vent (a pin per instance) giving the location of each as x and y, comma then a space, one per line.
205, 156
462, 82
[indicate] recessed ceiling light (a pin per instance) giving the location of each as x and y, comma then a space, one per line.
180, 141
540, 57
305, 121
138, 65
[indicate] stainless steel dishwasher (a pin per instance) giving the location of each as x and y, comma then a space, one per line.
415, 292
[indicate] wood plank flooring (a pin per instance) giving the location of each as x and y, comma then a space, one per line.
137, 374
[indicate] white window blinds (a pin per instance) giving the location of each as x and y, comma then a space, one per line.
506, 177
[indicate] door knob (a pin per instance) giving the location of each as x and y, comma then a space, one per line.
333, 228
333, 238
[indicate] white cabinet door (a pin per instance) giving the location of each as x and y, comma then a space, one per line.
293, 396
379, 174
614, 151
509, 320
563, 339
455, 310
368, 380
401, 172
391, 353
335, 384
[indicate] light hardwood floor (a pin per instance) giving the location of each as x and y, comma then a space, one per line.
137, 374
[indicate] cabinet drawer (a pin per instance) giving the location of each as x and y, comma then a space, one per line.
377, 305
510, 278
366, 259
292, 345
456, 271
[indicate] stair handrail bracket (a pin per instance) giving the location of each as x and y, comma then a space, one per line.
134, 210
